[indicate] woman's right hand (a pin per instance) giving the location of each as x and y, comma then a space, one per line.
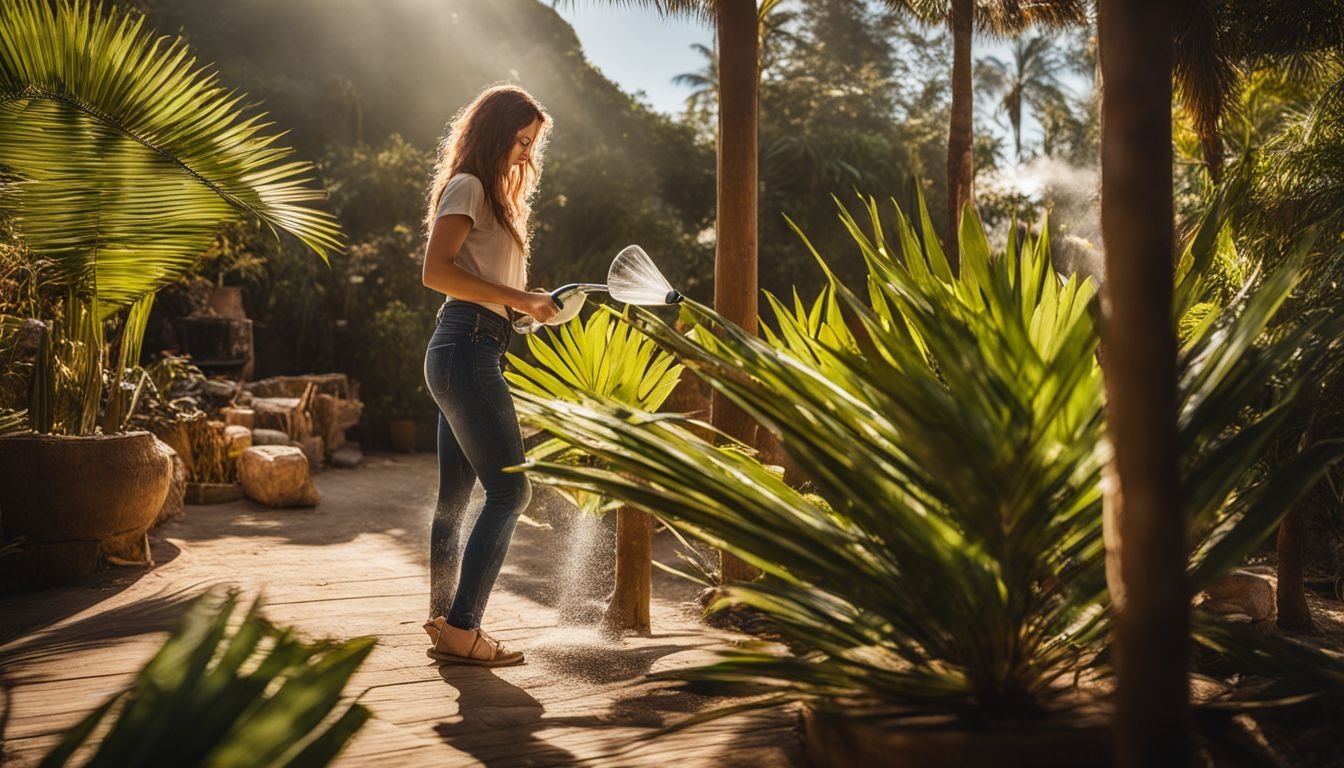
538, 304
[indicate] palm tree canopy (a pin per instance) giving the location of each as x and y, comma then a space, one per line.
1031, 78
1001, 18
1215, 41
124, 155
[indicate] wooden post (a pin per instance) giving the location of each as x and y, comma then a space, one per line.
629, 607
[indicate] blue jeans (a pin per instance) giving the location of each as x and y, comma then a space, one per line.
478, 438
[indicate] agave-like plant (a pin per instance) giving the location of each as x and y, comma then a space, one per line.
952, 559
252, 694
122, 157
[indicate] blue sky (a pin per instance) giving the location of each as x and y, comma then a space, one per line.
640, 50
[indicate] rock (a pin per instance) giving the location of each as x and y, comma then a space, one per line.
335, 384
332, 416
243, 417
173, 505
1240, 595
277, 476
238, 438
269, 437
283, 413
347, 456
314, 448
220, 389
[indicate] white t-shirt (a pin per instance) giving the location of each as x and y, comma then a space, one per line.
489, 251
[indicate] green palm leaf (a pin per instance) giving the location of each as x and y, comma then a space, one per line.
123, 156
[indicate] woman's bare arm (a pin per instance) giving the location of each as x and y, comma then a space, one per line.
443, 275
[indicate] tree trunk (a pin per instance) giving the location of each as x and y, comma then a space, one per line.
1294, 613
1211, 145
961, 133
735, 281
1153, 626
629, 606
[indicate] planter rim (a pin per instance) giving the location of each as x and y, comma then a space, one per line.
1088, 714
53, 438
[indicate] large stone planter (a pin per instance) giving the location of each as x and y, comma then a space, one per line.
78, 502
840, 738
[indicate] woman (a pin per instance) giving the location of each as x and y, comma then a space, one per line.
486, 173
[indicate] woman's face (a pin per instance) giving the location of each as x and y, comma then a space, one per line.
522, 145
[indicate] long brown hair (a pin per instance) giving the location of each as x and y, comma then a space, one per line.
479, 141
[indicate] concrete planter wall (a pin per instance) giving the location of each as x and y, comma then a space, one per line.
81, 501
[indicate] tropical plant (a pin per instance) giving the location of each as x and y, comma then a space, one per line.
602, 359
954, 561
1031, 79
965, 18
396, 386
216, 694
1216, 44
599, 358
124, 158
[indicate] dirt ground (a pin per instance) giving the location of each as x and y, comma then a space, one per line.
357, 565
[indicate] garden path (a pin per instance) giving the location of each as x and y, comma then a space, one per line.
356, 565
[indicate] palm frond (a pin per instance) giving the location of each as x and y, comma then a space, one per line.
951, 558
128, 154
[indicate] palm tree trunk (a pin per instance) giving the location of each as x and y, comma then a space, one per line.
1153, 625
629, 606
735, 258
961, 132
1294, 613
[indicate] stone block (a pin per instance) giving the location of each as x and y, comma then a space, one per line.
277, 476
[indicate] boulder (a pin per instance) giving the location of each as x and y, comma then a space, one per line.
243, 417
269, 437
173, 505
335, 384
314, 449
332, 416
1240, 595
347, 456
238, 438
277, 476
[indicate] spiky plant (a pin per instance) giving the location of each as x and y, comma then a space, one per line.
953, 560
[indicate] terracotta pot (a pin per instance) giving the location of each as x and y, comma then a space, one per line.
401, 432
836, 737
84, 500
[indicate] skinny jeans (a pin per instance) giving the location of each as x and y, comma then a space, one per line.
478, 437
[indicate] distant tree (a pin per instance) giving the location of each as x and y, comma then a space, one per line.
1030, 79
701, 104
965, 18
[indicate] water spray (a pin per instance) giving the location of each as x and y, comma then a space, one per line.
632, 279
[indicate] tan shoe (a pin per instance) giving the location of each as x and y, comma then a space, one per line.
452, 645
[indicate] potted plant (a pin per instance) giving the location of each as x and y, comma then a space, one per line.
93, 160
393, 358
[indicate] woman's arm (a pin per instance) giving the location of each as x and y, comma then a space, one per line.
443, 275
